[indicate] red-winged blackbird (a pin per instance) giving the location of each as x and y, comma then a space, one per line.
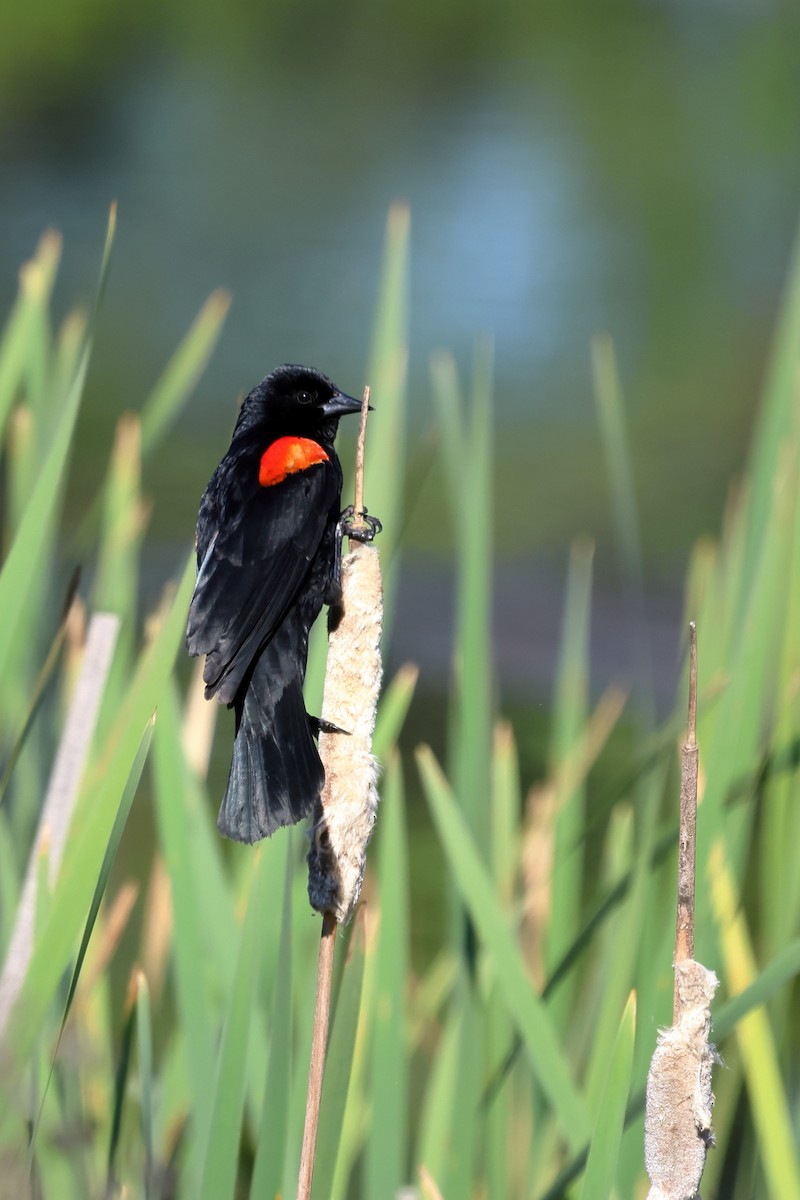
267, 547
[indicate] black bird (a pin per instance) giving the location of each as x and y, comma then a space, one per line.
268, 553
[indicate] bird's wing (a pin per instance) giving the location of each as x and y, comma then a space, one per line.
253, 558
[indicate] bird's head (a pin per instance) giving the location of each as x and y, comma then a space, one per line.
299, 400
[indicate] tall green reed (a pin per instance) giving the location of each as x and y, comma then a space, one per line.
507, 1068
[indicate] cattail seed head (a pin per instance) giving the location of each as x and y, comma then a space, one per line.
345, 815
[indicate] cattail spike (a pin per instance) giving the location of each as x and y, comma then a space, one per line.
346, 814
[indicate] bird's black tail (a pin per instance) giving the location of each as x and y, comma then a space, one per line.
276, 774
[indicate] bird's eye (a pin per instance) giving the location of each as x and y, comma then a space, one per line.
305, 398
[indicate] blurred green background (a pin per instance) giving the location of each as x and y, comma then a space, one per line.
630, 167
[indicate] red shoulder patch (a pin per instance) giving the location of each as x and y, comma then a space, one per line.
287, 455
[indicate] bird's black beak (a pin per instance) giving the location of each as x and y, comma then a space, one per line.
340, 404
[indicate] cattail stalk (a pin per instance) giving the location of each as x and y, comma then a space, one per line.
345, 815
679, 1098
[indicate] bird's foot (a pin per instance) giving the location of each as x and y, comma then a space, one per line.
360, 526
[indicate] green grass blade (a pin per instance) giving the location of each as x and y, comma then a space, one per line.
10, 883
100, 887
385, 1153
623, 942
771, 1107
452, 443
120, 821
432, 994
393, 708
36, 284
183, 371
601, 1167
218, 1176
615, 441
48, 376
38, 690
144, 1041
468, 438
105, 259
384, 471
506, 854
732, 737
626, 518
506, 806
190, 948
529, 1013
120, 1089
116, 577
20, 567
775, 423
22, 455
217, 900
780, 886
466, 1134
505, 812
569, 723
447, 1147
780, 971
71, 339
91, 830
42, 886
170, 394
440, 1101
268, 1167
473, 702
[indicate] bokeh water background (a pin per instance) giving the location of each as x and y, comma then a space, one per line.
631, 167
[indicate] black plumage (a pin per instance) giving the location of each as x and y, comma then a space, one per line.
266, 552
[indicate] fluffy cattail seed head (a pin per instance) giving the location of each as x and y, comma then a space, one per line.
345, 816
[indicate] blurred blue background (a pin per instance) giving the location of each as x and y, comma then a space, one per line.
630, 167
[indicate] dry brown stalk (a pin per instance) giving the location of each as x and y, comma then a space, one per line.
346, 812
684, 931
319, 1046
679, 1096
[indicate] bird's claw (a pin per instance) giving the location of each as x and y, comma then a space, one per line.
359, 526
320, 725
